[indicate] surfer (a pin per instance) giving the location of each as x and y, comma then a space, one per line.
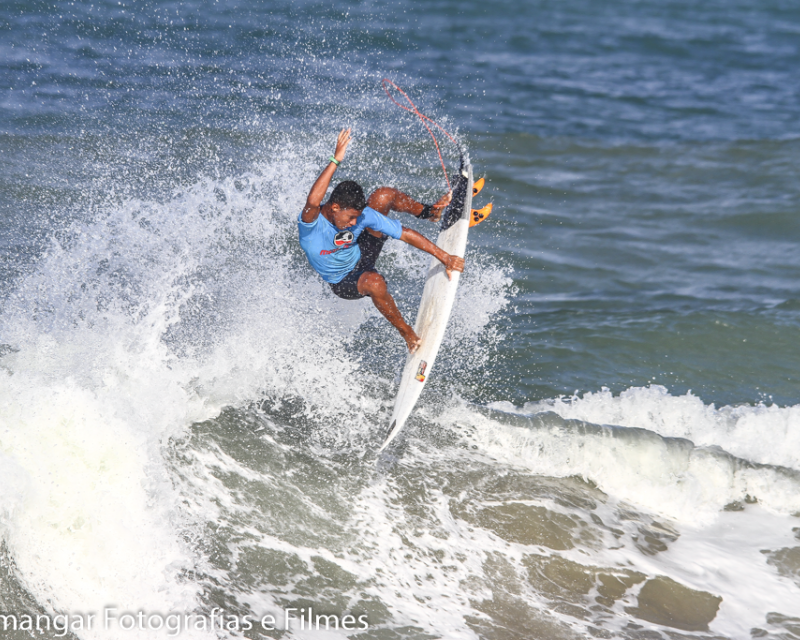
343, 243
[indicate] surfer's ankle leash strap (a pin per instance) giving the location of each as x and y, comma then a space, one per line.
427, 212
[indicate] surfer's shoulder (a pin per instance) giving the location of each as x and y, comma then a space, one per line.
368, 213
310, 214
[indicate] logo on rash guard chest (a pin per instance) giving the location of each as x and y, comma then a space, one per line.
343, 238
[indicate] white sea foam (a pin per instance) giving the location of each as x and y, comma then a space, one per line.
722, 557
660, 469
133, 326
717, 550
766, 434
92, 530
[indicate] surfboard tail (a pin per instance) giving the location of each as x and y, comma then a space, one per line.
462, 192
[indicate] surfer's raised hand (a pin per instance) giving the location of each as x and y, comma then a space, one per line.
453, 263
436, 210
314, 201
341, 144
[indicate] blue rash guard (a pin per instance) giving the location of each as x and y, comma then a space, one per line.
334, 252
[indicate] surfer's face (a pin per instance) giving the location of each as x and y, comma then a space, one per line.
343, 218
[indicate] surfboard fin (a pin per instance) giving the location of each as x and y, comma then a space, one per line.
479, 215
476, 188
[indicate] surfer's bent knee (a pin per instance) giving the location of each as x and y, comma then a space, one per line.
370, 283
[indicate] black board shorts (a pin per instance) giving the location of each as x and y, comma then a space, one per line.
370, 247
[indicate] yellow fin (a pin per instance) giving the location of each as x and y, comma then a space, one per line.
479, 215
477, 186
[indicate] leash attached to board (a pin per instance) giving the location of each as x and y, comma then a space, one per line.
423, 118
448, 217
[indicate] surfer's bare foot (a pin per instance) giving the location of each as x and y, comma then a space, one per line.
436, 210
412, 340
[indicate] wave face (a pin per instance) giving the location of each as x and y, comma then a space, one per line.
610, 444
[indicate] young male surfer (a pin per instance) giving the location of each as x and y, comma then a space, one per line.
343, 243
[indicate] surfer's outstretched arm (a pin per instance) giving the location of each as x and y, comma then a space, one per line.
451, 263
385, 199
317, 193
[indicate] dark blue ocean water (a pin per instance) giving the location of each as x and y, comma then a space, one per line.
614, 415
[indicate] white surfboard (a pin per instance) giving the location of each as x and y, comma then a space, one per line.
437, 303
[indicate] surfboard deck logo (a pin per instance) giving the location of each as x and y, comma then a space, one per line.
421, 371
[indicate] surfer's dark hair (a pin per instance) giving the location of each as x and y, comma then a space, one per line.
349, 195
